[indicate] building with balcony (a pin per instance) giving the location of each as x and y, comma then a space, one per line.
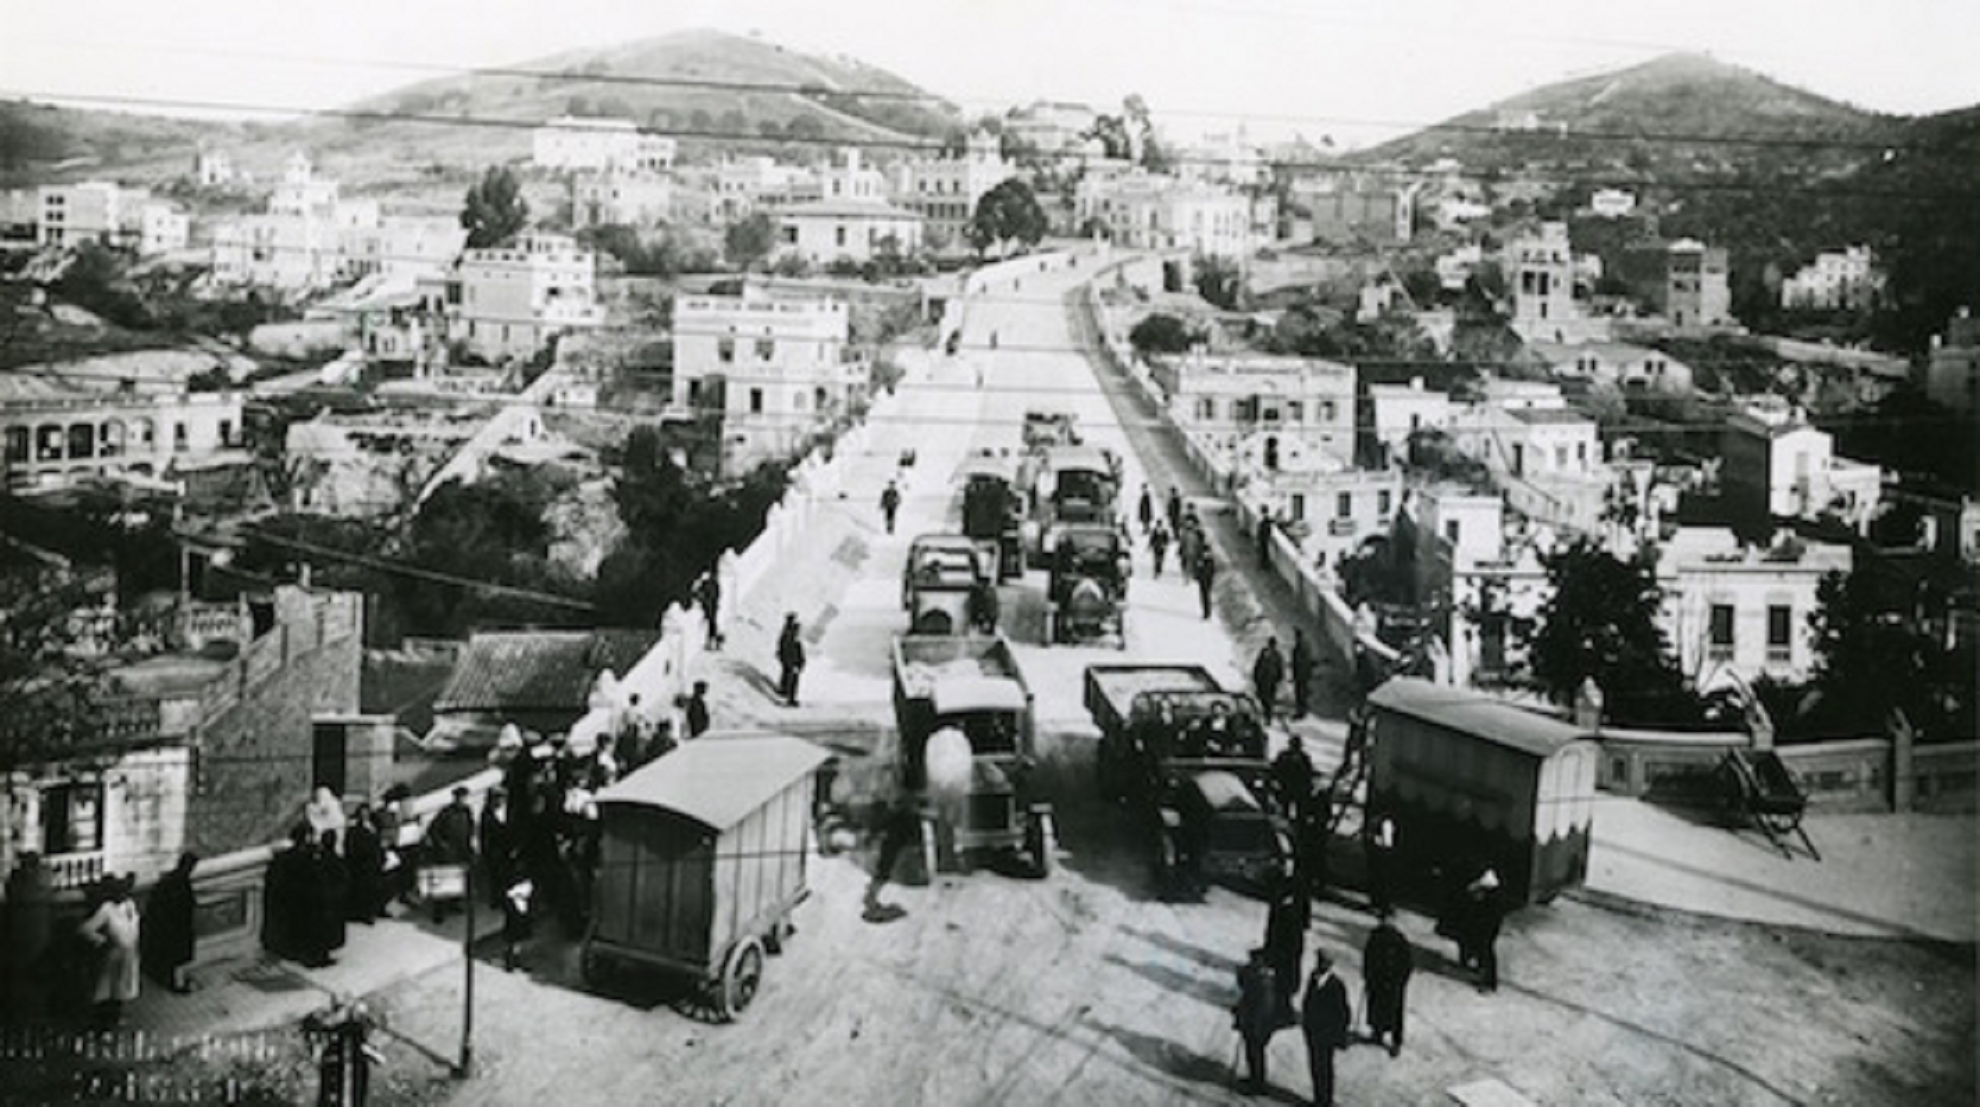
1612, 203
1732, 609
571, 142
1290, 404
1539, 270
57, 433
742, 186
1837, 280
1144, 211
944, 190
774, 370
507, 301
1777, 465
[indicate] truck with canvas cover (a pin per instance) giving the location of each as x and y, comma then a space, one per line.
940, 580
1189, 760
1071, 484
993, 513
963, 713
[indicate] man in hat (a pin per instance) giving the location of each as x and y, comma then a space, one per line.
1206, 577
1286, 920
449, 841
1325, 1017
1478, 937
1266, 673
890, 504
168, 926
498, 844
708, 593
1145, 509
1386, 962
1257, 1016
696, 710
790, 658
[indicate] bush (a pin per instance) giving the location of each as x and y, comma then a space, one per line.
1161, 334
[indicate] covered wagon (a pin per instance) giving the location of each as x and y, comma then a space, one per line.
1474, 781
701, 862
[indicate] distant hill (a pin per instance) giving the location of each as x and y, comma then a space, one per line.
1680, 109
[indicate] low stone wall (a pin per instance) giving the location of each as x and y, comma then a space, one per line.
1845, 775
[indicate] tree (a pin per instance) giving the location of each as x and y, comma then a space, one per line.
494, 211
1601, 621
48, 694
1007, 213
747, 241
1112, 132
1218, 281
1161, 334
1871, 659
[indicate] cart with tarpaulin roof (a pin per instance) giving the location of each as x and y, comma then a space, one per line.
701, 862
1473, 781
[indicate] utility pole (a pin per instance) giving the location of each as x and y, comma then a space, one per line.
465, 1065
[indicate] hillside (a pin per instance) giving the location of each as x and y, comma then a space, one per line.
1680, 109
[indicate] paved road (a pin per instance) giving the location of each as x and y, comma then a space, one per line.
1082, 988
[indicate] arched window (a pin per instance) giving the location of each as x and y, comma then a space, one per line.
48, 443
110, 439
82, 440
17, 445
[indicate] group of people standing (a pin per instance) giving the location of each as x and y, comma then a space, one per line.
94, 967
1179, 526
1271, 669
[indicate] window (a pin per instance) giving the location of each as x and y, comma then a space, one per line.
1581, 454
1298, 506
725, 350
766, 348
180, 436
1780, 633
1719, 633
839, 236
1326, 411
1206, 409
1343, 505
72, 818
17, 444
1384, 500
790, 235
226, 432
756, 401
1452, 531
1295, 411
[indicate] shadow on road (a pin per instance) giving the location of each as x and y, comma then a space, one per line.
1181, 983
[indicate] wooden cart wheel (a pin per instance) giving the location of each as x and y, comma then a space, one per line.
740, 978
1041, 841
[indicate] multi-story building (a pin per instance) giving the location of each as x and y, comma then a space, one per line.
745, 185
1050, 125
774, 369
162, 229
1355, 209
212, 168
944, 191
1952, 373
295, 244
506, 301
825, 231
1400, 410
1612, 203
1143, 211
629, 197
1340, 506
92, 211
1777, 465
403, 248
1287, 404
1228, 157
1539, 270
1685, 281
1732, 609
1837, 280
57, 433
1630, 368
576, 142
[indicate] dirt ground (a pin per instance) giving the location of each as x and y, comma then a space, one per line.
1083, 987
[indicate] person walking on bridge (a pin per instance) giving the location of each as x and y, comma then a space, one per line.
1145, 510
790, 659
1158, 545
1206, 577
1266, 674
890, 504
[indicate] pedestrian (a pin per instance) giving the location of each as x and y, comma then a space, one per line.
498, 844
1482, 916
449, 843
1286, 920
708, 593
984, 607
1257, 1016
283, 886
1325, 1018
1381, 861
114, 932
1302, 673
1264, 536
1266, 673
1292, 777
697, 710
1386, 962
1175, 510
30, 915
900, 830
332, 880
1206, 576
168, 926
1313, 836
1158, 545
516, 926
324, 811
364, 852
890, 503
1145, 510
790, 658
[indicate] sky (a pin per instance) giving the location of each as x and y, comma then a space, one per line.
1353, 70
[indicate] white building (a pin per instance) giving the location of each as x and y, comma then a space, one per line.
1144, 211
1289, 404
1050, 125
1952, 374
745, 185
56, 433
575, 142
1341, 506
944, 191
212, 168
629, 197
1742, 610
1630, 368
1837, 280
1227, 157
776, 369
825, 231
1539, 272
512, 299
163, 229
297, 243
401, 247
1777, 465
1400, 410
98, 211
1612, 203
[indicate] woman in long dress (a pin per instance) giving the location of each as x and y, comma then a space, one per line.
113, 929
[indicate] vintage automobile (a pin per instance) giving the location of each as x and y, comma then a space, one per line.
1086, 593
701, 862
993, 513
941, 580
1189, 760
1069, 484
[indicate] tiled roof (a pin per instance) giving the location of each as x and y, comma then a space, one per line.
531, 670
1555, 415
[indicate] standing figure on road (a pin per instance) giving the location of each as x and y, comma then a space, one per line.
1480, 918
1292, 775
1381, 861
708, 593
1266, 673
449, 841
1206, 577
790, 659
900, 831
168, 926
1145, 509
1257, 1016
1158, 545
498, 843
1175, 510
1286, 920
113, 930
984, 607
1325, 1018
696, 710
1302, 674
1386, 962
1264, 537
890, 504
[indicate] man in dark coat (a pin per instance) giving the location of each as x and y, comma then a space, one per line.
1286, 921
498, 845
1386, 962
1145, 510
364, 855
708, 593
1325, 1017
1257, 1016
449, 841
30, 917
890, 504
696, 710
332, 880
167, 934
1175, 507
1302, 673
1158, 546
1206, 578
1381, 860
790, 658
1479, 922
1264, 538
1292, 775
285, 887
1266, 674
